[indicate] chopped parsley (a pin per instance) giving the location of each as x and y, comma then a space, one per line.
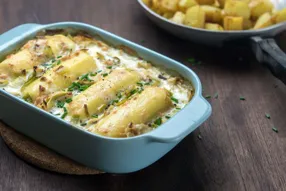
94, 116
174, 100
65, 113
158, 121
267, 116
68, 100
274, 129
60, 104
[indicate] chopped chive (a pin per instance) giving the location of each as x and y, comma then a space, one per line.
216, 95
114, 101
267, 116
274, 129
53, 60
174, 100
65, 113
93, 74
141, 90
208, 96
178, 108
58, 62
60, 104
119, 95
143, 41
199, 136
167, 117
104, 75
83, 87
158, 121
109, 67
59, 56
242, 98
99, 71
83, 124
69, 100
57, 114
133, 92
191, 60
94, 116
85, 77
140, 84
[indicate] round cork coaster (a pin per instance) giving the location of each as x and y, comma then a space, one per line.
41, 156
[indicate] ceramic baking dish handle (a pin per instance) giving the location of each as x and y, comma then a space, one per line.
183, 123
16, 32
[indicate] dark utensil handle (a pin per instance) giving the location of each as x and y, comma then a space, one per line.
268, 52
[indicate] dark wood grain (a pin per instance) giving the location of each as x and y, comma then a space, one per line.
238, 149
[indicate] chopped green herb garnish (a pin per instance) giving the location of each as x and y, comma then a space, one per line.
199, 136
140, 84
114, 101
59, 56
85, 77
60, 104
94, 116
57, 114
274, 129
119, 95
53, 60
267, 116
242, 98
109, 67
105, 74
93, 74
133, 92
216, 95
140, 90
208, 96
99, 71
174, 100
69, 100
83, 124
58, 62
158, 121
191, 60
178, 108
65, 113
78, 86
83, 87
167, 117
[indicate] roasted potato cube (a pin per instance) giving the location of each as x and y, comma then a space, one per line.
168, 15
169, 5
216, 4
221, 3
213, 14
206, 2
247, 24
183, 5
195, 17
237, 9
280, 16
232, 23
156, 4
259, 7
178, 17
213, 26
263, 21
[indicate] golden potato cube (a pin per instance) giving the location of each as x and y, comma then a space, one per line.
213, 14
178, 17
232, 23
263, 21
183, 5
169, 5
195, 17
280, 16
237, 9
259, 7
213, 26
168, 15
205, 2
247, 24
156, 4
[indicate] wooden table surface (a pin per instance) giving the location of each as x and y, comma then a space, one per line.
238, 149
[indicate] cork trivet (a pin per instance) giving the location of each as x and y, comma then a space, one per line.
41, 156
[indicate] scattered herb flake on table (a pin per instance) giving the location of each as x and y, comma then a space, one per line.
208, 96
267, 116
199, 136
274, 129
174, 100
216, 95
242, 98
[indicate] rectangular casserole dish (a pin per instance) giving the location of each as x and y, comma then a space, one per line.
114, 155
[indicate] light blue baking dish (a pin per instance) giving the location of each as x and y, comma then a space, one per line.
114, 155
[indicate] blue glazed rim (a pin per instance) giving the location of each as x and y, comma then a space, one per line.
160, 134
